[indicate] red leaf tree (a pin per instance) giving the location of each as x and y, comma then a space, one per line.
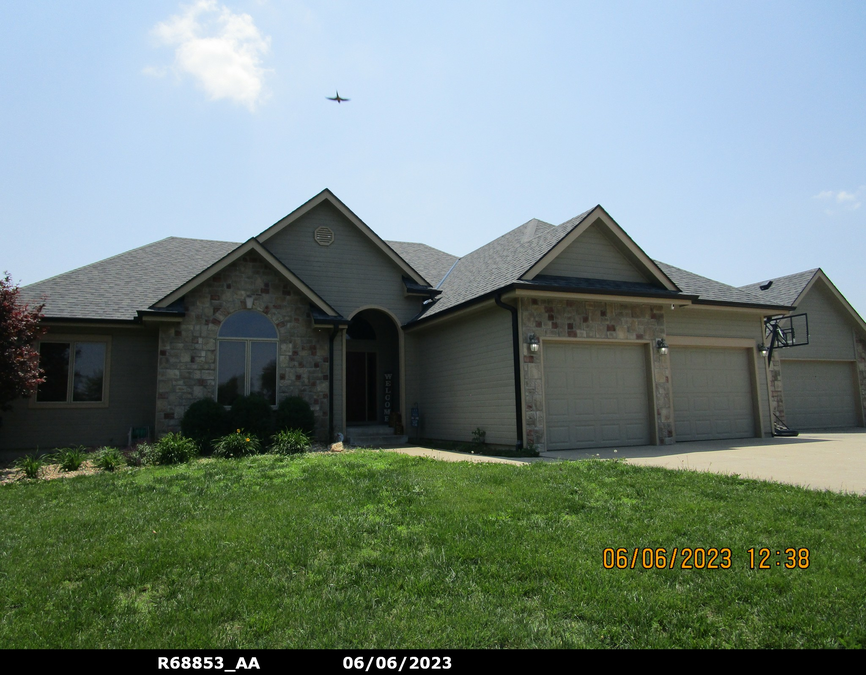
20, 373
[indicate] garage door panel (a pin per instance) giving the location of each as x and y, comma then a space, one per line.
713, 396
604, 390
819, 394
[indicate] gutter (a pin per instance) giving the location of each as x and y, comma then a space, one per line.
515, 339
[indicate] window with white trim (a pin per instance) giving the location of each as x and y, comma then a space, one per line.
74, 371
247, 357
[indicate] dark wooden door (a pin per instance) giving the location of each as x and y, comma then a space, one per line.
361, 387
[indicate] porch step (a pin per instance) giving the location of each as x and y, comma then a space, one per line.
376, 436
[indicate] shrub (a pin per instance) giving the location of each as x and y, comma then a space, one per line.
140, 455
252, 413
30, 465
204, 421
295, 413
238, 444
174, 449
290, 442
479, 436
70, 459
108, 459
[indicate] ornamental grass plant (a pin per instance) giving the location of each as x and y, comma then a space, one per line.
290, 442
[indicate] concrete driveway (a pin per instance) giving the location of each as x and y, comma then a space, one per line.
820, 461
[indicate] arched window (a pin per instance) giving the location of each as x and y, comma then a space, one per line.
247, 357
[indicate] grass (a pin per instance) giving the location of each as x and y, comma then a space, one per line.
379, 550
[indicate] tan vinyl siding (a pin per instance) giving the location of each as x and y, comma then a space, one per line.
594, 256
697, 322
830, 327
131, 399
465, 378
820, 394
351, 273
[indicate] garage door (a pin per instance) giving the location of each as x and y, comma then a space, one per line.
819, 394
595, 396
712, 394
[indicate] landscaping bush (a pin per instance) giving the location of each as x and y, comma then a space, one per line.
253, 414
70, 459
238, 444
174, 449
140, 455
30, 465
295, 413
109, 459
290, 442
204, 421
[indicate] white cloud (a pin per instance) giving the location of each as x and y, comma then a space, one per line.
221, 50
848, 201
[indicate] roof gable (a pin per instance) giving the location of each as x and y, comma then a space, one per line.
237, 253
326, 196
598, 248
794, 288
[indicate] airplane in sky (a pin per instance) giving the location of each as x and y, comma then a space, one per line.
336, 98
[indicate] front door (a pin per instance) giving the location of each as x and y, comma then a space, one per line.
361, 387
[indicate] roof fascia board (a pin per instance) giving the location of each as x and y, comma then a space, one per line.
598, 213
225, 261
631, 299
62, 322
835, 291
764, 310
327, 195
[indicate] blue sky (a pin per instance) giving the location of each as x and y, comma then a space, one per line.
726, 138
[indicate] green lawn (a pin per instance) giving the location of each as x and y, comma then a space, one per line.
379, 550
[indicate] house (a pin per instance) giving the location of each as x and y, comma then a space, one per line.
565, 336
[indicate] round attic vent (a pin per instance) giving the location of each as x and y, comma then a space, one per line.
324, 236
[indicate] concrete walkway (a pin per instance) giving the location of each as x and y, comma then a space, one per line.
820, 461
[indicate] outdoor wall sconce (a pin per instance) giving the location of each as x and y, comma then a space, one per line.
763, 349
662, 346
533, 343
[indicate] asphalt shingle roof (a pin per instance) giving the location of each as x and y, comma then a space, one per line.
117, 287
785, 290
709, 290
429, 262
501, 262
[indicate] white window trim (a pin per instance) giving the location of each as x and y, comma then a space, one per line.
106, 373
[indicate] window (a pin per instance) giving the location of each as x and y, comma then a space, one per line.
247, 357
75, 371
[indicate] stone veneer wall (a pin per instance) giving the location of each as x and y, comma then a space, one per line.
777, 396
597, 321
861, 371
188, 350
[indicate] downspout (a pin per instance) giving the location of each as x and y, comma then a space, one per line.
515, 339
333, 335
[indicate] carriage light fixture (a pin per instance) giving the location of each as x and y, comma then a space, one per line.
662, 346
533, 343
